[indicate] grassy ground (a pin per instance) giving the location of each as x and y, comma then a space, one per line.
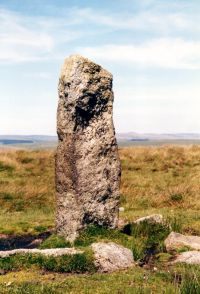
162, 180
26, 191
154, 180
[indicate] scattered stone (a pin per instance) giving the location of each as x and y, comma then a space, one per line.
87, 162
190, 257
47, 252
121, 209
110, 257
154, 218
176, 241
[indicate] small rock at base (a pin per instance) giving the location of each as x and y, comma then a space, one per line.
154, 218
176, 241
110, 257
190, 257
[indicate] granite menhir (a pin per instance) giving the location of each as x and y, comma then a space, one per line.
87, 162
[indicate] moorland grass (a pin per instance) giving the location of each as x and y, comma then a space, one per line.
55, 241
181, 279
95, 233
154, 180
76, 263
26, 191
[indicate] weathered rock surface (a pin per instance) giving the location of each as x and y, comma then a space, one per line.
110, 257
154, 218
175, 241
190, 257
87, 163
46, 252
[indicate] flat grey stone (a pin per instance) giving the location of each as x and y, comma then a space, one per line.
154, 218
47, 252
175, 241
110, 257
190, 257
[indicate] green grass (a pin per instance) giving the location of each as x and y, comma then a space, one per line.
162, 180
148, 237
97, 233
54, 241
133, 281
177, 280
77, 263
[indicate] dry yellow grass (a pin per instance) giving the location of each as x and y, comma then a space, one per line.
26, 190
154, 180
154, 175
162, 179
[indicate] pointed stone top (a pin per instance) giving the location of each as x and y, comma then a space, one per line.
76, 63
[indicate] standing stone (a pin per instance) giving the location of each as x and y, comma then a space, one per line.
87, 163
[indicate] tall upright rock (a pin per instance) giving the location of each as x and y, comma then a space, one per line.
87, 163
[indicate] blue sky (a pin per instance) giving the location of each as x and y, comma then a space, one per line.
152, 47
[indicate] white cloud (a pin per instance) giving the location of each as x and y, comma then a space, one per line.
139, 105
27, 38
147, 20
156, 19
166, 53
21, 41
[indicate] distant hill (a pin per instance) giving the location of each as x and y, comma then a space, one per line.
11, 141
124, 139
151, 136
29, 137
33, 141
152, 139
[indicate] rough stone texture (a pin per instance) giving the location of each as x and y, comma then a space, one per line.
46, 252
87, 163
154, 218
175, 241
110, 257
190, 257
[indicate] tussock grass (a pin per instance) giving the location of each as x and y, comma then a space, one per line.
54, 241
26, 191
161, 176
162, 180
148, 239
77, 263
97, 234
154, 180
